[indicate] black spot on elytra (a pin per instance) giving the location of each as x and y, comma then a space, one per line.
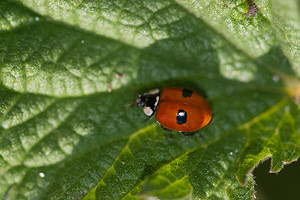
181, 117
187, 93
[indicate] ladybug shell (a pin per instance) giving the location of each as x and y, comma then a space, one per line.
182, 110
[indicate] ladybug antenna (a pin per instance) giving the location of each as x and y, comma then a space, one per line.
131, 104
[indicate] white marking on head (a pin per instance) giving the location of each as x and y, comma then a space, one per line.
148, 111
157, 100
154, 91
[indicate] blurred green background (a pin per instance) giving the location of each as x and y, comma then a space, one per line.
284, 185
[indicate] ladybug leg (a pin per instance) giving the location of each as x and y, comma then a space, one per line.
166, 129
148, 118
199, 134
187, 134
171, 137
192, 133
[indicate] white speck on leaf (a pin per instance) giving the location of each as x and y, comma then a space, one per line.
275, 78
284, 163
41, 174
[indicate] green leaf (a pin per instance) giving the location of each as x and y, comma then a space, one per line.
69, 69
285, 21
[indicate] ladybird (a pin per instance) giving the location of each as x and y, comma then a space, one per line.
176, 109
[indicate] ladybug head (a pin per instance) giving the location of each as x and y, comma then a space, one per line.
148, 101
140, 100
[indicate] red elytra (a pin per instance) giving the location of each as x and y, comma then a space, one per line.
195, 112
177, 109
